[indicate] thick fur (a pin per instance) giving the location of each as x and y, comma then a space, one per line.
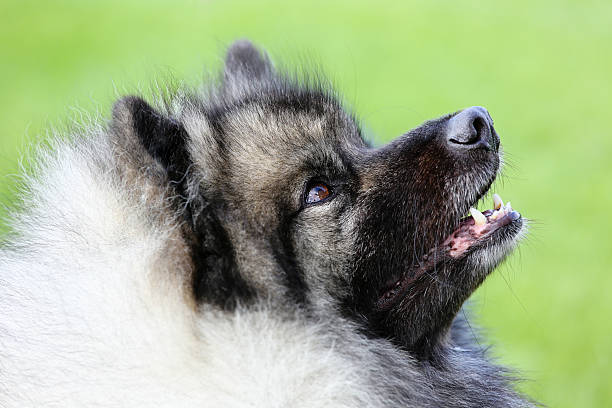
169, 259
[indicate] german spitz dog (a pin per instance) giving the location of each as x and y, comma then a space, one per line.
244, 245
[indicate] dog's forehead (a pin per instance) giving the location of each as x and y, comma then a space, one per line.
286, 140
256, 127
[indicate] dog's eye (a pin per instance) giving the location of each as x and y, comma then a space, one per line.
317, 192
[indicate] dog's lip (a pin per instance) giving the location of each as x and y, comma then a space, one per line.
470, 231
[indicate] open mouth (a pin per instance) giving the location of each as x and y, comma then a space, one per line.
477, 228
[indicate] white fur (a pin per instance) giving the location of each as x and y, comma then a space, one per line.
93, 313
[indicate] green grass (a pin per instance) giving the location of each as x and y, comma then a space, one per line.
542, 69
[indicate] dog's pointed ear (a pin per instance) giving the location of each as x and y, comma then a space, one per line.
245, 68
149, 139
161, 136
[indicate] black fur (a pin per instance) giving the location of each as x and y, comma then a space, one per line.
284, 253
217, 279
202, 276
163, 137
404, 198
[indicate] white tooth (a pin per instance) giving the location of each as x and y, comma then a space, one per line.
497, 202
494, 215
508, 206
479, 218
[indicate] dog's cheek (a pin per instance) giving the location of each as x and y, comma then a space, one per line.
324, 247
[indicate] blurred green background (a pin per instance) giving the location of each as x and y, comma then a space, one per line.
543, 69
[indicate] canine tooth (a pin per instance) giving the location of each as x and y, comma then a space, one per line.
479, 217
497, 202
508, 206
494, 215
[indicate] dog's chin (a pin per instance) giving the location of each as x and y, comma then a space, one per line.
422, 303
481, 248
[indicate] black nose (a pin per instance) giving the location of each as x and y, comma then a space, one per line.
472, 128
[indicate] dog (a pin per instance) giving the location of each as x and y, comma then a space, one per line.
245, 245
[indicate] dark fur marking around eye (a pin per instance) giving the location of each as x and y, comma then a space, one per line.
217, 279
284, 253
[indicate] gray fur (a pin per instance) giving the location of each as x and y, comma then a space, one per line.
168, 259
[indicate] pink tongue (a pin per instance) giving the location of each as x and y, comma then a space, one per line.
468, 232
462, 239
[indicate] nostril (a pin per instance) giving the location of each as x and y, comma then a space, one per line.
470, 128
480, 129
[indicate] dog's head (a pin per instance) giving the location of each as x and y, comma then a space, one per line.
283, 199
